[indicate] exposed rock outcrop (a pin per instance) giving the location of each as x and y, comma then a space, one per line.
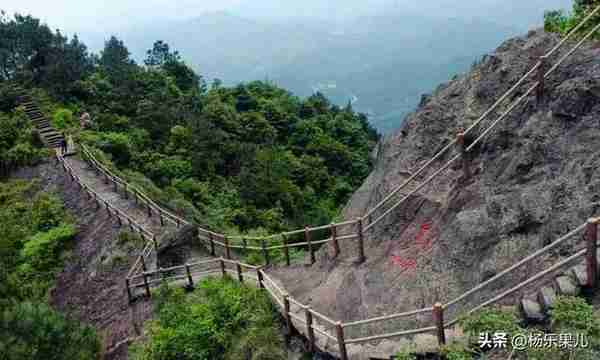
535, 177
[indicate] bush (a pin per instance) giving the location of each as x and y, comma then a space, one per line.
47, 212
219, 320
34, 331
559, 21
457, 351
63, 119
573, 314
490, 320
44, 246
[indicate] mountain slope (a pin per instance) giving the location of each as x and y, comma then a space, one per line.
535, 179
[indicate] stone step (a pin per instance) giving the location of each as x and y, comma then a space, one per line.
566, 285
46, 129
546, 296
580, 275
57, 137
532, 310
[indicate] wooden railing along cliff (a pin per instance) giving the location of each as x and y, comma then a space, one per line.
140, 277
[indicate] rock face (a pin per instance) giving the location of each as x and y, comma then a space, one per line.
535, 177
175, 247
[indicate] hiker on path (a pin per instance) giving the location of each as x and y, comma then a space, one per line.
63, 145
85, 121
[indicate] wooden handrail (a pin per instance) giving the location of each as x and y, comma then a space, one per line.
310, 312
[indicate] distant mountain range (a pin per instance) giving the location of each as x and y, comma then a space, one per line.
382, 62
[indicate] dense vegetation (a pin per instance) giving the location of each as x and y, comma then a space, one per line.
245, 159
562, 22
250, 158
569, 315
219, 320
35, 232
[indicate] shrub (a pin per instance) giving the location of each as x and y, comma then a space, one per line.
219, 320
34, 331
556, 21
457, 351
406, 354
47, 212
42, 250
63, 119
490, 320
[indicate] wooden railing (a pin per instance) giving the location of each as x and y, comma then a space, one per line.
359, 227
122, 217
317, 324
435, 319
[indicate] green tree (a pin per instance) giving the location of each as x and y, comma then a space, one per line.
115, 59
34, 331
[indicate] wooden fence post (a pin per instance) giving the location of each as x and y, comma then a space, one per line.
245, 245
222, 263
288, 317
310, 330
592, 250
336, 244
361, 241
105, 179
286, 250
260, 278
438, 318
149, 210
155, 246
162, 219
339, 329
212, 244
541, 81
144, 268
119, 221
227, 250
125, 190
460, 140
310, 246
239, 272
189, 276
128, 286
265, 252
145, 275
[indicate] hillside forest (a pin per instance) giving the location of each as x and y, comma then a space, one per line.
245, 159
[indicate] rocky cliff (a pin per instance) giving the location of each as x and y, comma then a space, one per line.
535, 177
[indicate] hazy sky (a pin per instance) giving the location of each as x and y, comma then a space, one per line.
102, 16
98, 15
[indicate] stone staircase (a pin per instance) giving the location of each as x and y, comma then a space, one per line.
50, 136
535, 307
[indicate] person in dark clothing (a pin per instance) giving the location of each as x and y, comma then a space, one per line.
63, 145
